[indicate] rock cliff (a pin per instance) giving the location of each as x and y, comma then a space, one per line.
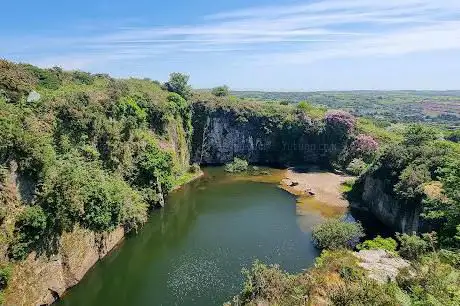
397, 215
41, 279
222, 133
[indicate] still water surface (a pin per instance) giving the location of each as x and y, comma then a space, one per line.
192, 251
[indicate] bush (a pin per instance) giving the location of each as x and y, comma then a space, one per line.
83, 78
431, 282
47, 78
411, 247
5, 274
264, 282
177, 104
15, 81
340, 121
128, 109
195, 168
379, 243
337, 234
238, 165
357, 166
29, 231
364, 147
221, 91
153, 166
411, 180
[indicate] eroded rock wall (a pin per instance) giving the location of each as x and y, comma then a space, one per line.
221, 134
397, 215
40, 280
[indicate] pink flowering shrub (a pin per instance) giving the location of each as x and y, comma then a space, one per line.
363, 146
340, 120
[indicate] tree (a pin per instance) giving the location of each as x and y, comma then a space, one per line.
411, 246
418, 134
336, 234
178, 83
221, 91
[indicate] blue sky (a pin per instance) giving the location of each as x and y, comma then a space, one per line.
257, 44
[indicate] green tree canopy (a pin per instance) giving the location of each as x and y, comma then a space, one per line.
178, 83
221, 91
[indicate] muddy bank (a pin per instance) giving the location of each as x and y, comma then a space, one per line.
316, 190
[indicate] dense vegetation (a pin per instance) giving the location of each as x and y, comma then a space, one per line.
78, 149
85, 150
338, 279
420, 168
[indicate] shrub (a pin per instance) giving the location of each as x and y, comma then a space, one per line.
336, 234
431, 282
5, 274
47, 78
411, 180
411, 246
357, 166
264, 282
340, 121
29, 231
221, 91
418, 134
82, 77
364, 147
379, 243
238, 165
177, 104
153, 166
195, 168
15, 81
129, 110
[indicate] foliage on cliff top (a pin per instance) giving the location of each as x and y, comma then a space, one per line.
337, 279
94, 150
412, 167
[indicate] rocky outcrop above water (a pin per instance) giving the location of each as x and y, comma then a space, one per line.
397, 215
40, 280
381, 265
222, 132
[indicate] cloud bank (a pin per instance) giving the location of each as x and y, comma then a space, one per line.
294, 34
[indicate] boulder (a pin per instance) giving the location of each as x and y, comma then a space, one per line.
381, 265
33, 97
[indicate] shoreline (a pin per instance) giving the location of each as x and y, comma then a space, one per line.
316, 191
321, 185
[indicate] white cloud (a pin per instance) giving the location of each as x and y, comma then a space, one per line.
306, 33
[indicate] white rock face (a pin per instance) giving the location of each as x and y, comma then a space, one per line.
33, 97
381, 264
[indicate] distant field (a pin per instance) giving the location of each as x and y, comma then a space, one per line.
397, 106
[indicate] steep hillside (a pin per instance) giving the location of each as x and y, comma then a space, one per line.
82, 160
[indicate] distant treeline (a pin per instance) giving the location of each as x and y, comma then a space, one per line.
441, 107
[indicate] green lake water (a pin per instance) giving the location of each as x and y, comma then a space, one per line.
192, 251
